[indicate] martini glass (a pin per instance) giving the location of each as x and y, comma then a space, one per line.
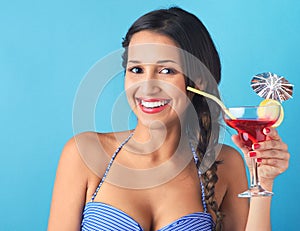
249, 122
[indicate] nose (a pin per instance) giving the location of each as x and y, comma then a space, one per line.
150, 87
151, 84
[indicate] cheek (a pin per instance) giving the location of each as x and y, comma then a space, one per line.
181, 83
130, 89
182, 87
128, 85
180, 97
129, 93
179, 88
126, 82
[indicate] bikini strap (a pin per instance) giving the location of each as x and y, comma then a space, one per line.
196, 160
110, 164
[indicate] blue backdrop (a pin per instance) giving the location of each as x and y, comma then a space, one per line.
46, 48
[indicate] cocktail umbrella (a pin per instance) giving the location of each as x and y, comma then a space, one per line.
271, 86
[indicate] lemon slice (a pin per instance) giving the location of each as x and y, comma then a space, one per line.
271, 113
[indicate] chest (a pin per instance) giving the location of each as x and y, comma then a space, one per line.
159, 206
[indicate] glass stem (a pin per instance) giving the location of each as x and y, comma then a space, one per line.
254, 178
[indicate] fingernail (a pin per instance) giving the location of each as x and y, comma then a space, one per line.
252, 154
258, 160
267, 130
256, 146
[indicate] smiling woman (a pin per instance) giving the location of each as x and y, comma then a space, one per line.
165, 51
154, 81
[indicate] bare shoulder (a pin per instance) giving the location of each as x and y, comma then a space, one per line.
70, 188
71, 161
76, 146
230, 157
231, 170
232, 181
86, 155
81, 167
95, 149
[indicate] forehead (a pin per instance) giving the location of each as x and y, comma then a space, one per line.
150, 47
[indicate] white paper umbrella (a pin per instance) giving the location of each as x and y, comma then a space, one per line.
271, 86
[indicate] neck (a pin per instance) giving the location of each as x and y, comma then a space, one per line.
158, 143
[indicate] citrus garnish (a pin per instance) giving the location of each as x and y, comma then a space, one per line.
271, 113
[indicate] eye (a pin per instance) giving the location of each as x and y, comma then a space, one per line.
136, 70
167, 71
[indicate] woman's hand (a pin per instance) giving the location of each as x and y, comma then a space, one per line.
273, 156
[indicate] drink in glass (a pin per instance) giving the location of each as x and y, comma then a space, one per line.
249, 122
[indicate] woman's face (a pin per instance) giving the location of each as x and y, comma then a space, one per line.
154, 82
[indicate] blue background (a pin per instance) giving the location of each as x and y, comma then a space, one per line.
47, 47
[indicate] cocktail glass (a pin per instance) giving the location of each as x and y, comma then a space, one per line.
249, 122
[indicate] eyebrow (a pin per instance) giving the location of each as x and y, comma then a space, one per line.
158, 62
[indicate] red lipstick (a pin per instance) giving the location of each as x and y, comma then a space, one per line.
153, 105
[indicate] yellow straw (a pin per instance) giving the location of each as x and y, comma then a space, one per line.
214, 98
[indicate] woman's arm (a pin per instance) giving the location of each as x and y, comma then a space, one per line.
274, 160
69, 191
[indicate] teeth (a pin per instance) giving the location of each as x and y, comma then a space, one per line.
154, 104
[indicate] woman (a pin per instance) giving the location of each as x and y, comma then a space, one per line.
165, 51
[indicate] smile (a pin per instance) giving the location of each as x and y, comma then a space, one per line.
153, 105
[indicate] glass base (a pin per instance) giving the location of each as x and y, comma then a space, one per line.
255, 191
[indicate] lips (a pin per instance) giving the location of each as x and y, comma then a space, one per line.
153, 105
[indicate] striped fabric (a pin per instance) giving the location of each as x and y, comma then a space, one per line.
193, 222
98, 216
104, 217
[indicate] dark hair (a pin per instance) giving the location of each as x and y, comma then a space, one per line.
192, 36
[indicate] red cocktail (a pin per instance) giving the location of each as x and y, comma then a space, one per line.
250, 130
249, 123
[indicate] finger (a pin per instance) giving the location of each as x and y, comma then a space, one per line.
271, 133
276, 165
270, 144
271, 154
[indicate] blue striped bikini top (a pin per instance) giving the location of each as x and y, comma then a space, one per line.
99, 216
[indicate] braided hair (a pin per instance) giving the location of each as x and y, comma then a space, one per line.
201, 62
